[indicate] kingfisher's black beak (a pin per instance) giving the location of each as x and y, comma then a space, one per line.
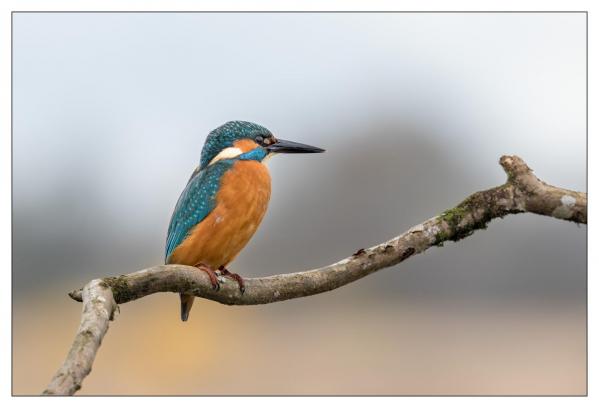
285, 146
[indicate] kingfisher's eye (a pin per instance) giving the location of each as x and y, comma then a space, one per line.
259, 139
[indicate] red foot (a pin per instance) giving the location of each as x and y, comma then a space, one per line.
211, 274
225, 272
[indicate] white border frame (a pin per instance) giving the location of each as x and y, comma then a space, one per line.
7, 6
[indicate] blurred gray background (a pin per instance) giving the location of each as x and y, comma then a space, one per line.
110, 114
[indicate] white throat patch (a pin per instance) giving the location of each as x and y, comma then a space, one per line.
227, 153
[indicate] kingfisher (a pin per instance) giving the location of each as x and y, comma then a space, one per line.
224, 201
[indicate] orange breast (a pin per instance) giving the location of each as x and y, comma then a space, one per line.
241, 203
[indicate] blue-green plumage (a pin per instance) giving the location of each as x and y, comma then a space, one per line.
195, 203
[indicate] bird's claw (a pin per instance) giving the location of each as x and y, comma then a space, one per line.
225, 272
211, 275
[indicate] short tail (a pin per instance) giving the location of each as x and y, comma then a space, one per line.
186, 303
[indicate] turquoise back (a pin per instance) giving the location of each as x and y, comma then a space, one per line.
195, 203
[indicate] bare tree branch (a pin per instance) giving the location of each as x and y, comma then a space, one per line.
523, 192
98, 308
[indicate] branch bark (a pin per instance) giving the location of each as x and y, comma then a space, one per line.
523, 192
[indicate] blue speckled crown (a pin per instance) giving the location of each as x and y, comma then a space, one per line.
225, 135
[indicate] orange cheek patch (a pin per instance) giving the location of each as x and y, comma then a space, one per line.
245, 145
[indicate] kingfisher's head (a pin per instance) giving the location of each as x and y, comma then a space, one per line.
248, 141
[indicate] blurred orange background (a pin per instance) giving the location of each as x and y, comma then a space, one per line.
338, 343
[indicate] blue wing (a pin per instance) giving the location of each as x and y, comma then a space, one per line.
195, 203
